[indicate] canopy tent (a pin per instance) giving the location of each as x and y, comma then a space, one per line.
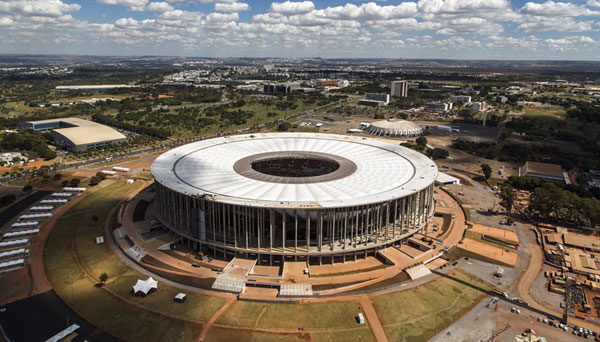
145, 286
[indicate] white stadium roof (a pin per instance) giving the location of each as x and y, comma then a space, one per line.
384, 171
395, 128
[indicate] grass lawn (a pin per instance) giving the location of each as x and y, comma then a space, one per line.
553, 112
144, 174
418, 314
319, 316
218, 334
155, 318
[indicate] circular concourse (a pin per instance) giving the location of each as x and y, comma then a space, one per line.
293, 195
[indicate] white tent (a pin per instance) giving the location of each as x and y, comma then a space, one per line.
145, 286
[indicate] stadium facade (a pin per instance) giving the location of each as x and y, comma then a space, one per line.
294, 195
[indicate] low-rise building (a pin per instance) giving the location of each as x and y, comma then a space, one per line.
281, 88
9, 157
546, 171
76, 134
371, 103
501, 99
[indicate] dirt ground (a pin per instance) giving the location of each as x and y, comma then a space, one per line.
348, 267
496, 232
15, 285
492, 252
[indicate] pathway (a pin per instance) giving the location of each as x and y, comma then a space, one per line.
214, 317
372, 319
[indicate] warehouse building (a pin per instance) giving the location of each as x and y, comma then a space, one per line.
76, 134
547, 171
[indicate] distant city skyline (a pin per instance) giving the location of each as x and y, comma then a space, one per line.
446, 29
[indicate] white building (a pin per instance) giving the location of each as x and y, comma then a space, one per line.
378, 97
8, 157
343, 83
399, 88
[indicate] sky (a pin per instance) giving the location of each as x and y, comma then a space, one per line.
456, 29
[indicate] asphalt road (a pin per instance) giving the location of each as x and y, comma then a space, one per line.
42, 316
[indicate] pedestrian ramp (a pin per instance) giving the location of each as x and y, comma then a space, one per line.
234, 276
295, 290
418, 271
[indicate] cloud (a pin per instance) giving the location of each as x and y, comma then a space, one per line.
470, 25
43, 8
6, 21
134, 5
569, 43
460, 6
290, 7
159, 7
370, 11
231, 7
565, 24
556, 9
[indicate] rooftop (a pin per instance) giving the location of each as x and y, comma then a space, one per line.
84, 131
351, 170
544, 169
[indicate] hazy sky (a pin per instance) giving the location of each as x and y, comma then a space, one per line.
471, 29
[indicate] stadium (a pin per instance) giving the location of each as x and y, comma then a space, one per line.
293, 196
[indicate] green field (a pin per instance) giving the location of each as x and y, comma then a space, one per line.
74, 261
418, 314
323, 321
551, 111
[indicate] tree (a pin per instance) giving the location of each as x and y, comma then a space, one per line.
57, 176
27, 188
64, 183
438, 153
507, 195
95, 218
284, 126
421, 141
95, 180
103, 278
75, 182
487, 171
